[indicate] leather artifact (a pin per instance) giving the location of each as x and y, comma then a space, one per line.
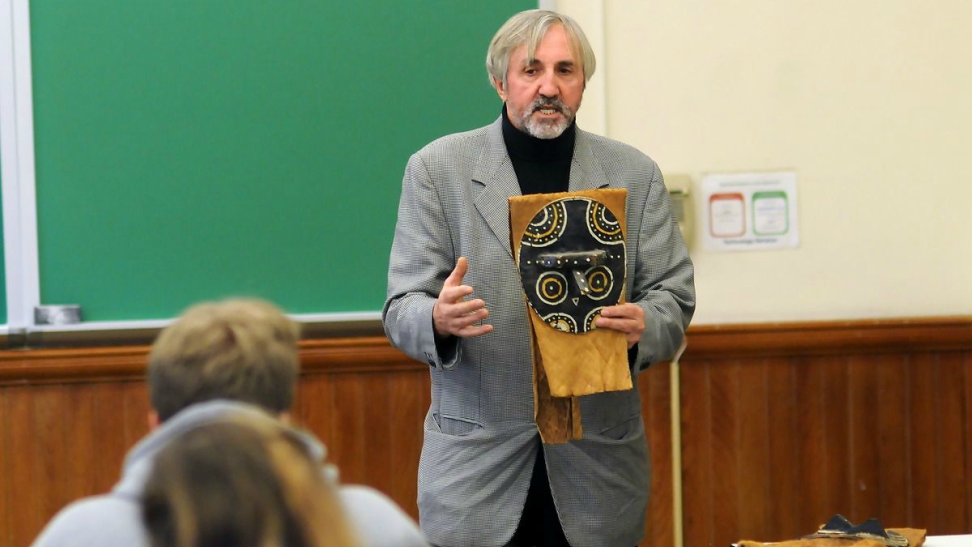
570, 250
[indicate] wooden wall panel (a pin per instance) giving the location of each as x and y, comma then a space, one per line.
10, 466
864, 411
60, 443
892, 383
698, 455
951, 432
6, 468
783, 448
724, 489
774, 446
22, 497
782, 426
371, 424
655, 387
967, 431
409, 400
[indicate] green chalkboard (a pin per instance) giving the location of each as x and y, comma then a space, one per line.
189, 150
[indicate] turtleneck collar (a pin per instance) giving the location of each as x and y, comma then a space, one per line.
523, 146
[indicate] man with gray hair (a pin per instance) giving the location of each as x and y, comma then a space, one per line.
488, 476
236, 358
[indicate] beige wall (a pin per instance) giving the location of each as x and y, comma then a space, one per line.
869, 102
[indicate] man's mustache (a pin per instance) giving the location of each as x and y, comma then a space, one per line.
550, 103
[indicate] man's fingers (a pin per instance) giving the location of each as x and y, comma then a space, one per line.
626, 318
453, 315
475, 330
454, 295
470, 324
459, 319
455, 278
466, 307
623, 325
623, 311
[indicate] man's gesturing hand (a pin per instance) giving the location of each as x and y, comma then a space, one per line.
451, 314
628, 318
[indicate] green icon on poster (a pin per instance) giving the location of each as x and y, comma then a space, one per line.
771, 213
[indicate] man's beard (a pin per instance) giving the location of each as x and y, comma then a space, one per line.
543, 128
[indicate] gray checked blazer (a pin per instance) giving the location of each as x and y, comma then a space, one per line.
480, 434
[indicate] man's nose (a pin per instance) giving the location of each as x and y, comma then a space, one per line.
548, 85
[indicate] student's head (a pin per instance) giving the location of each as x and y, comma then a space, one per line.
539, 62
242, 483
243, 350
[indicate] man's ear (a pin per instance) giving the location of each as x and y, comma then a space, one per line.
153, 420
284, 417
500, 88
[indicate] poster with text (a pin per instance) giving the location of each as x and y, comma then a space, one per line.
749, 211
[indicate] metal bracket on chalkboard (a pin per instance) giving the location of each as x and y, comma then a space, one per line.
57, 315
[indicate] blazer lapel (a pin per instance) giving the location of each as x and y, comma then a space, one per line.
497, 182
585, 169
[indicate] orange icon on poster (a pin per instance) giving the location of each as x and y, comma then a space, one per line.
727, 214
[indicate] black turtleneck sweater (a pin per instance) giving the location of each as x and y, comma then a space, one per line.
542, 166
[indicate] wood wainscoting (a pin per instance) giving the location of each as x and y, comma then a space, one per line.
782, 425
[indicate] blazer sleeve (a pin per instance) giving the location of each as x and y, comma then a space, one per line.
664, 278
422, 257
